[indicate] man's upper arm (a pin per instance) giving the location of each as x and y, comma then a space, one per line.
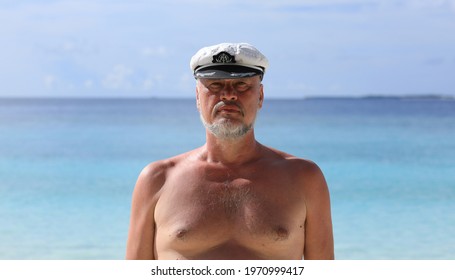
318, 225
140, 244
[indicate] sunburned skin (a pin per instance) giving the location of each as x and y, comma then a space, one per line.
262, 216
232, 198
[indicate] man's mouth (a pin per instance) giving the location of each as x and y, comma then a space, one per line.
228, 108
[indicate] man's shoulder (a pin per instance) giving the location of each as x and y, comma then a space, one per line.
303, 171
161, 168
293, 162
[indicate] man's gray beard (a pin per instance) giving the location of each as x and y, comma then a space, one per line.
226, 129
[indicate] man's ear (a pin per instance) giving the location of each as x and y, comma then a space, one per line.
198, 104
261, 96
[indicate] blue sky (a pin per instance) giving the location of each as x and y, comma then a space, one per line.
111, 48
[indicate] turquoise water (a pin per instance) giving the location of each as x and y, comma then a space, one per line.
68, 167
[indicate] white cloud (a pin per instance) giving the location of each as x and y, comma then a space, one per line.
88, 84
154, 51
335, 87
358, 7
185, 78
431, 3
300, 87
118, 78
68, 46
159, 78
186, 83
49, 44
147, 84
49, 81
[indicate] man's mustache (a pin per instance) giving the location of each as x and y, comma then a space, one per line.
227, 103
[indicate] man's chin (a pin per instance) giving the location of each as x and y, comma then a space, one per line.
227, 121
228, 128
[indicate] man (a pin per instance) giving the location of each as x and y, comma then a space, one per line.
232, 198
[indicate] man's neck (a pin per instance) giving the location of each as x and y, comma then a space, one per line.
232, 151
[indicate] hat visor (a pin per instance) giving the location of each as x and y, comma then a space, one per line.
226, 72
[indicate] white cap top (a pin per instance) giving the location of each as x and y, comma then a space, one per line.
228, 61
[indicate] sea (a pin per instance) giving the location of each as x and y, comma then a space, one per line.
68, 168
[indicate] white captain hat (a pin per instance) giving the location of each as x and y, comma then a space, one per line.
228, 61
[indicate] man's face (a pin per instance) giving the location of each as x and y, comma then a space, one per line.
228, 107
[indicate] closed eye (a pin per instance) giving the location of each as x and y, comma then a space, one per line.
241, 86
215, 87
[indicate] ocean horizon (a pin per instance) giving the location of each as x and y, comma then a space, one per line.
68, 167
422, 96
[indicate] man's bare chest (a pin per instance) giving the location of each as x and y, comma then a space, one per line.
254, 210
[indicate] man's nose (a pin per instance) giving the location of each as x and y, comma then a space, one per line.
228, 93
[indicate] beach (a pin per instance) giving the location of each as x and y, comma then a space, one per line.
68, 168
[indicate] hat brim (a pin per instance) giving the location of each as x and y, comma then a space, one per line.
226, 72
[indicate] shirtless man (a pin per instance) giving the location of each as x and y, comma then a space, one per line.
232, 198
